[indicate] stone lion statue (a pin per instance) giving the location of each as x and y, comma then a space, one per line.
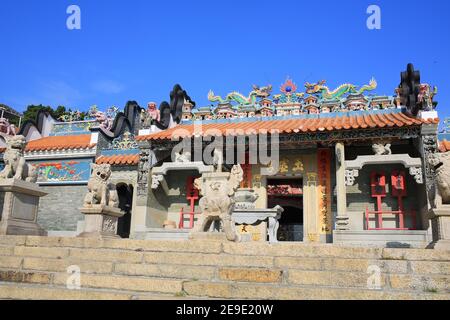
381, 149
15, 164
217, 203
101, 191
441, 164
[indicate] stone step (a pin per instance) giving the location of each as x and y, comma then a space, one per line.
115, 282
237, 285
214, 247
134, 269
17, 291
170, 279
103, 261
225, 290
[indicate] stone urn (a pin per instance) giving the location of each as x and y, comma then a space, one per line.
245, 199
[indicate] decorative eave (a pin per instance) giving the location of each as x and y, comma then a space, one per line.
61, 154
119, 160
349, 125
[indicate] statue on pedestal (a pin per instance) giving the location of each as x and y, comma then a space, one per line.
101, 191
440, 213
15, 165
217, 203
18, 182
101, 205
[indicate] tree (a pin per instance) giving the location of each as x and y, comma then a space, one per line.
60, 111
32, 111
9, 113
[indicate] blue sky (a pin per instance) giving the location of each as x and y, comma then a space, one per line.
138, 49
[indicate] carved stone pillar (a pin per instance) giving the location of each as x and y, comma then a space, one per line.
429, 146
143, 169
341, 189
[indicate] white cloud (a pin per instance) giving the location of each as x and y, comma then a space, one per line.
53, 93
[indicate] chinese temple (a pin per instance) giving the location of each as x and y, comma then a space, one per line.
338, 165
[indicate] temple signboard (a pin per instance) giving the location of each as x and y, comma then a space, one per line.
324, 191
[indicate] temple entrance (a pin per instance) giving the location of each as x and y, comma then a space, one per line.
288, 193
125, 193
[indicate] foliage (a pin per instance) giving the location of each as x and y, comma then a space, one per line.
10, 114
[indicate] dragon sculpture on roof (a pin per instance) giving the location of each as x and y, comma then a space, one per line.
346, 88
257, 92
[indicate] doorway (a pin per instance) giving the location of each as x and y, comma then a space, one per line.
288, 193
125, 193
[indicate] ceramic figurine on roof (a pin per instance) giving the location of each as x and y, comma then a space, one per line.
257, 92
347, 88
104, 119
7, 128
71, 116
169, 113
426, 95
289, 93
149, 116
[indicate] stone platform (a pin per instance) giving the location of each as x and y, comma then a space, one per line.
383, 238
20, 208
36, 268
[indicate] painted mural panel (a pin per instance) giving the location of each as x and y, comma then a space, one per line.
73, 128
70, 171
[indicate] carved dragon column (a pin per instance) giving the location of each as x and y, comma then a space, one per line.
138, 219
342, 218
429, 146
148, 158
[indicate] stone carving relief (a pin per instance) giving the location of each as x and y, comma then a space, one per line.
143, 172
100, 190
441, 165
109, 224
183, 157
15, 164
156, 180
381, 149
217, 203
430, 148
417, 174
350, 177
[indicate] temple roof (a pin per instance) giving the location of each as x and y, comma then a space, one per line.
300, 124
60, 143
118, 160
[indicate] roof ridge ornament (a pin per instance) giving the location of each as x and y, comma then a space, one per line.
413, 94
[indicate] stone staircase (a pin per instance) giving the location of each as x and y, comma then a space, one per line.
36, 268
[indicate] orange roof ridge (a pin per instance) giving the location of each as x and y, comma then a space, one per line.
120, 159
305, 125
61, 143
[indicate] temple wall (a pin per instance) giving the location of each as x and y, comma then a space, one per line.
166, 202
127, 175
308, 171
59, 210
